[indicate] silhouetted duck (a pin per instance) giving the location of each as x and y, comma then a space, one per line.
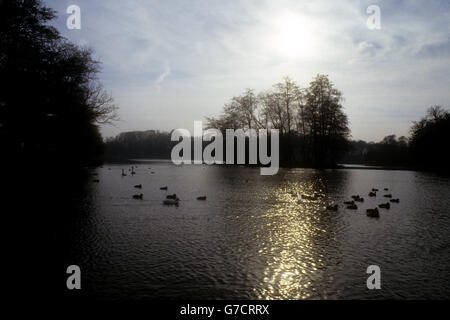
201, 198
123, 173
332, 207
372, 194
163, 188
386, 205
386, 189
138, 196
395, 200
171, 196
388, 195
138, 186
374, 190
349, 202
95, 180
373, 213
359, 199
352, 207
171, 202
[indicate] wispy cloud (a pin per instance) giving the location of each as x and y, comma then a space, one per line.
162, 76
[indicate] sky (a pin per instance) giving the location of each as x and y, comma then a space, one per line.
168, 63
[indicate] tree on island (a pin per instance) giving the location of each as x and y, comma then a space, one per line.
312, 124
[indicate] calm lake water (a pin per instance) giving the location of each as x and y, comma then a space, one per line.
255, 238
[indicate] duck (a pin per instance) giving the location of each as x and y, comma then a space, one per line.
360, 199
395, 200
372, 194
385, 205
374, 190
332, 207
123, 173
355, 196
95, 180
138, 196
201, 198
349, 202
163, 188
171, 196
352, 207
138, 186
386, 189
388, 195
171, 202
373, 213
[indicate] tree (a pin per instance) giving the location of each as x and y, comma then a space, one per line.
326, 123
51, 100
313, 127
429, 140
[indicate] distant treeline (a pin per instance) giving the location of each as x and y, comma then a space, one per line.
426, 148
139, 144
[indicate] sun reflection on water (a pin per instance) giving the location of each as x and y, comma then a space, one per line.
294, 229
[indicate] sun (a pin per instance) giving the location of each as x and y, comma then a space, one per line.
293, 37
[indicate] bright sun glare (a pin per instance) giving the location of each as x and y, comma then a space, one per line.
294, 37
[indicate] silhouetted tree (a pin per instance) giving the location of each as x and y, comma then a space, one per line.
430, 138
313, 127
51, 99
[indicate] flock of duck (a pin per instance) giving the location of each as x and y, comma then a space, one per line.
171, 199
371, 212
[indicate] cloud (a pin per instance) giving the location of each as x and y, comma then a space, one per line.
162, 76
168, 63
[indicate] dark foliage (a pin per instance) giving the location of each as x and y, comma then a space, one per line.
430, 140
51, 100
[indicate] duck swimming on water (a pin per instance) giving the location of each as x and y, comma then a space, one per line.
373, 213
332, 207
386, 205
170, 202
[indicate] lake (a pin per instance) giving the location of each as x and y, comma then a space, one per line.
255, 237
